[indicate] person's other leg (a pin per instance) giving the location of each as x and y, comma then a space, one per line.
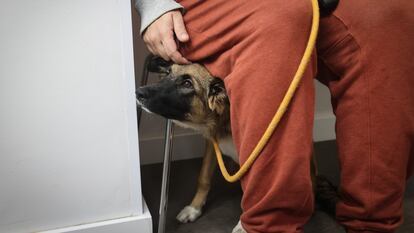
367, 47
256, 47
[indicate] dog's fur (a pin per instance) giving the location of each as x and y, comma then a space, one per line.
193, 98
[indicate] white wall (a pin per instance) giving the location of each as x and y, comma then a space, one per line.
68, 134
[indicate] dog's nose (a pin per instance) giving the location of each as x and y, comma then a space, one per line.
140, 93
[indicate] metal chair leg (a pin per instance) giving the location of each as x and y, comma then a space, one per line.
165, 176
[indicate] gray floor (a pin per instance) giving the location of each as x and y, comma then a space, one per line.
222, 209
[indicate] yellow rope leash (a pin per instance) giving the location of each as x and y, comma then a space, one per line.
282, 108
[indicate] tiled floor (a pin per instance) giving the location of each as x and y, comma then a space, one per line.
222, 210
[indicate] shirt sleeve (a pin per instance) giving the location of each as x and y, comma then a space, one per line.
150, 10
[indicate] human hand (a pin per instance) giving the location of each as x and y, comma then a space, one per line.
159, 37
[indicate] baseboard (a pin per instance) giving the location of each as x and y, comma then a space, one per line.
132, 224
191, 145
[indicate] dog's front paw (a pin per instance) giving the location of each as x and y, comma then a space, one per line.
188, 214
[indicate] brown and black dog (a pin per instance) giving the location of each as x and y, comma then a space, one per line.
193, 98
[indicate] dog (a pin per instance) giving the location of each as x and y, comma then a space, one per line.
193, 98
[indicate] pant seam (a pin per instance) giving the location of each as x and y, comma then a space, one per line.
370, 206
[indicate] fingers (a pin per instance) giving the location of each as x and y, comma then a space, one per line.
171, 50
149, 42
154, 44
159, 37
179, 27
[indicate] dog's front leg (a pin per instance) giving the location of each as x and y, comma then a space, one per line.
191, 212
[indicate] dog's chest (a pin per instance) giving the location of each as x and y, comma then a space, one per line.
227, 148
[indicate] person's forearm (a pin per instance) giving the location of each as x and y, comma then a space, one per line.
150, 10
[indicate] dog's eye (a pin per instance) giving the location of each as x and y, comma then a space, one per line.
216, 89
187, 83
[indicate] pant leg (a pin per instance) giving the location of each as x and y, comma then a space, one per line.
256, 47
365, 52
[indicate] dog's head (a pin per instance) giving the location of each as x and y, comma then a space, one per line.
188, 94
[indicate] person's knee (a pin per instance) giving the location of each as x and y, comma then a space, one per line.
274, 17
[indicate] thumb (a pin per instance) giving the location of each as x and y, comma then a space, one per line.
179, 27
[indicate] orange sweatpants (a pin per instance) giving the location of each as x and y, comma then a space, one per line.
363, 55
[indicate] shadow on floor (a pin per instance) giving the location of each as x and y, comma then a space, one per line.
222, 209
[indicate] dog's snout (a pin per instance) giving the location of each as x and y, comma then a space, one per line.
140, 93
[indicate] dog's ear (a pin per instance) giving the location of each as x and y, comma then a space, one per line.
158, 65
217, 97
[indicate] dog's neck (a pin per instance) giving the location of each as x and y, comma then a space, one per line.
221, 127
209, 130
217, 127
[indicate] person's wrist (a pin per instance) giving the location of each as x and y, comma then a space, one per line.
150, 11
